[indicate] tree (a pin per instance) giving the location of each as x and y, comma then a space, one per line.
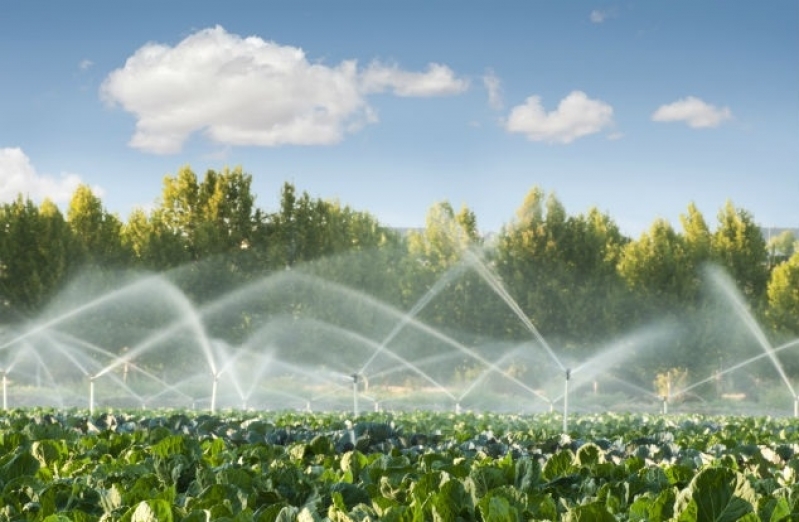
561, 270
445, 238
781, 247
435, 277
783, 296
656, 265
697, 236
59, 246
153, 244
97, 232
658, 269
215, 216
36, 254
306, 229
739, 247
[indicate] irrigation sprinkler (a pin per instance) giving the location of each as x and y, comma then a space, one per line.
91, 394
214, 387
355, 378
566, 400
667, 395
5, 390
458, 408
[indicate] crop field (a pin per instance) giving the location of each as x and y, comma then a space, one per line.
415, 466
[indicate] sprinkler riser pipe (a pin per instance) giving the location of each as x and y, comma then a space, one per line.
566, 401
213, 394
91, 396
355, 394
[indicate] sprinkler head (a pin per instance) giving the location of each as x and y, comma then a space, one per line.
568, 373
354, 378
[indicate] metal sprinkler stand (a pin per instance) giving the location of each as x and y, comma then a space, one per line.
213, 392
355, 377
5, 390
91, 394
665, 402
566, 401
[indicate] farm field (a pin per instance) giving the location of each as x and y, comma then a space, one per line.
413, 466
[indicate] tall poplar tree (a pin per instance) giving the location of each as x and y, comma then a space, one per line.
783, 296
96, 231
739, 246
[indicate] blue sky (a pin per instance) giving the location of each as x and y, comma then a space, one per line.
637, 108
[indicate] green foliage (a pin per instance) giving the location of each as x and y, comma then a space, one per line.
37, 251
183, 467
98, 233
562, 271
783, 295
576, 278
717, 494
739, 246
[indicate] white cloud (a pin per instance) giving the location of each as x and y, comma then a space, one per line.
577, 115
598, 16
247, 91
493, 85
85, 64
693, 111
438, 80
18, 176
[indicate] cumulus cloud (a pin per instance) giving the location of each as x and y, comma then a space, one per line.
577, 115
493, 86
438, 80
248, 91
693, 111
18, 176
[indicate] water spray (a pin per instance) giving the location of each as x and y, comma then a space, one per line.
566, 400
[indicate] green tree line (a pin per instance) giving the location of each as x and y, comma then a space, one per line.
577, 278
